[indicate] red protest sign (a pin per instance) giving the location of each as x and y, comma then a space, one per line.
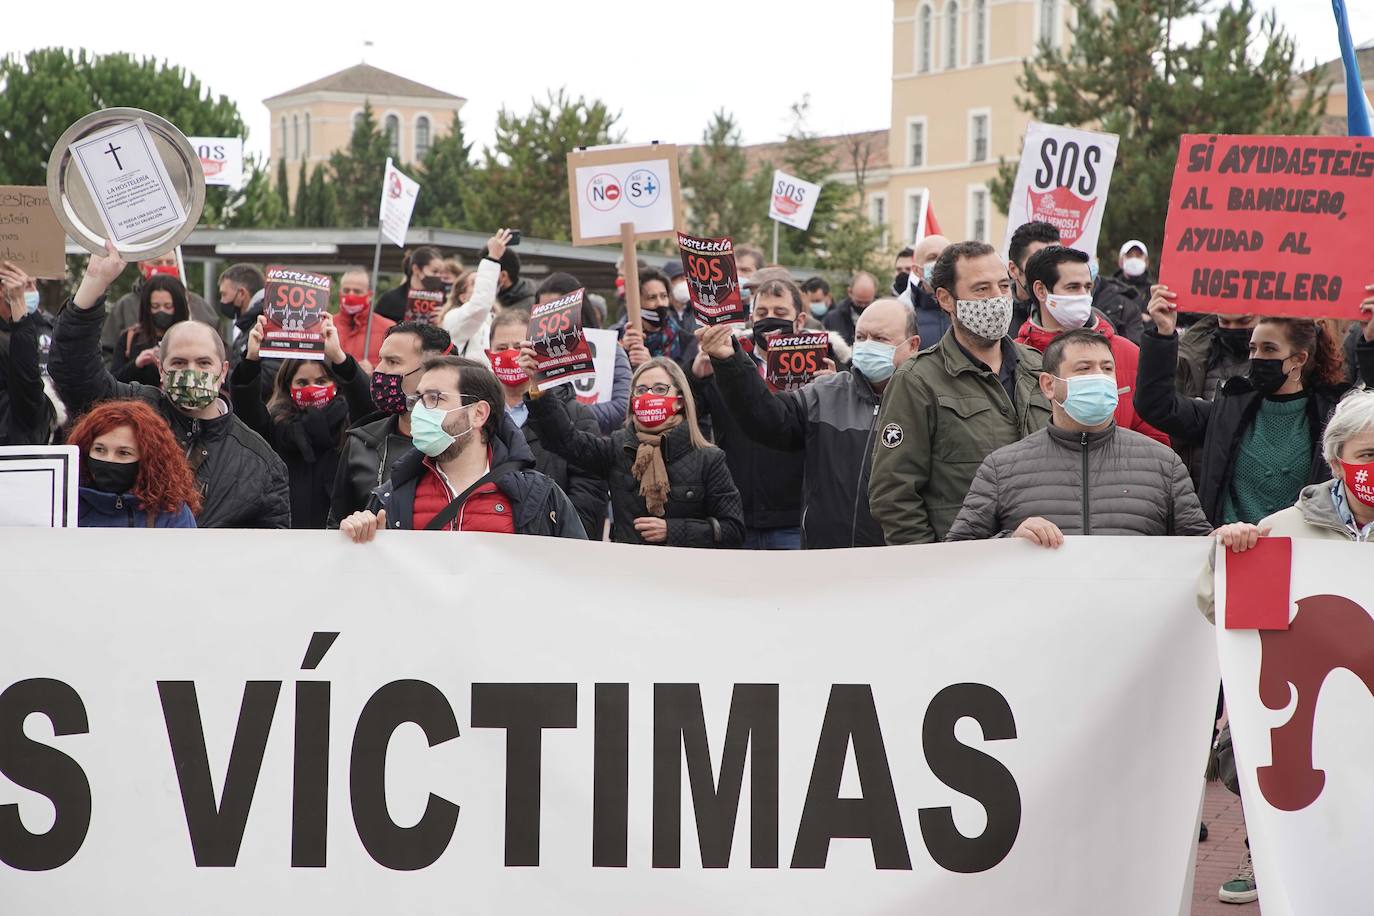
294, 302
712, 281
561, 349
423, 305
1270, 225
794, 359
1257, 585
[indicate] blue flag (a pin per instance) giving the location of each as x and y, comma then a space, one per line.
1357, 106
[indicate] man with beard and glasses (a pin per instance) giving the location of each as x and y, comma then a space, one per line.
470, 470
242, 481
954, 404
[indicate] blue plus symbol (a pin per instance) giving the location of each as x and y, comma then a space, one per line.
650, 187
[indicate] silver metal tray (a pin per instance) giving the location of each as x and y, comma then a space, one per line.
77, 212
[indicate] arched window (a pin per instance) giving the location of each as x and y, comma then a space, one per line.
924, 39
421, 137
283, 136
295, 136
307, 135
1049, 22
393, 136
980, 31
951, 35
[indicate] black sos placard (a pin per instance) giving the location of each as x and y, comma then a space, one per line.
712, 280
794, 359
555, 332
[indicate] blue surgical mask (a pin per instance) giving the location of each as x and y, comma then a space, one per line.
427, 429
31, 300
875, 360
1091, 400
818, 309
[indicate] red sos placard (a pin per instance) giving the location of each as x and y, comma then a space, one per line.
794, 359
555, 332
294, 302
712, 281
423, 305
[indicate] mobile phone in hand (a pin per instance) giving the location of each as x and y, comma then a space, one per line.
514, 238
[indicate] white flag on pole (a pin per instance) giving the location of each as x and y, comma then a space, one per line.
398, 202
793, 200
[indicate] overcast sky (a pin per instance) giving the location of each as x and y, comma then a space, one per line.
665, 69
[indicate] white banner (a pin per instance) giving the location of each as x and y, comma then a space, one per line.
398, 202
221, 158
38, 486
1063, 179
597, 389
1304, 777
501, 724
793, 200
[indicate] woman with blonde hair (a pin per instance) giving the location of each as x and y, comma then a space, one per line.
669, 485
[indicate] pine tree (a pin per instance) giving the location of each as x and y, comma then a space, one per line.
523, 180
1128, 73
446, 181
300, 215
807, 158
283, 191
357, 172
718, 193
256, 204
324, 201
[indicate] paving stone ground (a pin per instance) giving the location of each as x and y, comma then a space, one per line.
1218, 857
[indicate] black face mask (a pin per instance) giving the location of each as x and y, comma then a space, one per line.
111, 476
900, 282
164, 320
765, 326
1267, 375
228, 309
1235, 341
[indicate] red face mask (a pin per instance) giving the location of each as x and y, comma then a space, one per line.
151, 270
313, 395
1359, 480
620, 287
653, 410
352, 305
508, 372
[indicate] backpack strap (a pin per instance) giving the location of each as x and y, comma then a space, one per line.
450, 512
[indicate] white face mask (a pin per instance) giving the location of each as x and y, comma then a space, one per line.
680, 295
1070, 312
1134, 267
987, 318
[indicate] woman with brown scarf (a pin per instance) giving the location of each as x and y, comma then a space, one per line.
668, 484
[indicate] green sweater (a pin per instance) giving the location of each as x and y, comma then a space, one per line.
1274, 463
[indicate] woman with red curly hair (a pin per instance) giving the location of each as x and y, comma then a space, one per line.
133, 474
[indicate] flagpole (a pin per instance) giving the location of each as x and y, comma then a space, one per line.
775, 241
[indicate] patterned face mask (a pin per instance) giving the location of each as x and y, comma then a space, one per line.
190, 389
987, 318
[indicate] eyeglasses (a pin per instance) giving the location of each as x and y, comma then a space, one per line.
660, 390
435, 400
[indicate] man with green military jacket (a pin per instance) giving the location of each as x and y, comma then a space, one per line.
955, 403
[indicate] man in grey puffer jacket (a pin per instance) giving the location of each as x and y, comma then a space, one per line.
1082, 474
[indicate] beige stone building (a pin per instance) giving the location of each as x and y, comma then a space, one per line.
954, 114
312, 121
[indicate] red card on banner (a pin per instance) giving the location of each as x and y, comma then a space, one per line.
1258, 584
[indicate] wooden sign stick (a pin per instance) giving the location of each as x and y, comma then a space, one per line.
629, 258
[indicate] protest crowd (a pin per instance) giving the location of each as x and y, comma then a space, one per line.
969, 396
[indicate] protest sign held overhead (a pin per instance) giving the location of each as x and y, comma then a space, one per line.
1270, 225
221, 158
398, 203
294, 302
31, 238
555, 333
712, 279
611, 186
128, 176
1062, 180
794, 359
425, 304
792, 200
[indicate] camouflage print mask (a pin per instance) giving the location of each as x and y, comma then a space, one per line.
190, 389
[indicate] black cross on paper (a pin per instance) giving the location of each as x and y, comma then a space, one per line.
114, 151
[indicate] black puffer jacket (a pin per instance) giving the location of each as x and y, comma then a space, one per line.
242, 481
832, 421
1219, 425
703, 507
26, 414
1113, 482
373, 445
587, 491
769, 480
308, 440
1122, 304
538, 506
